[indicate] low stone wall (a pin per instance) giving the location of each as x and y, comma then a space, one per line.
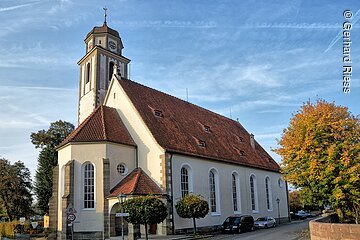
325, 229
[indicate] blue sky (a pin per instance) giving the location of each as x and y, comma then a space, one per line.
259, 60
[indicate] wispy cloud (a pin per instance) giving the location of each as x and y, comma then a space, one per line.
355, 19
5, 9
167, 23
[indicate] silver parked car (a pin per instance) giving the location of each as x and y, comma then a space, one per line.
265, 222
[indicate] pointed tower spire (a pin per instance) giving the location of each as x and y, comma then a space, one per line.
105, 15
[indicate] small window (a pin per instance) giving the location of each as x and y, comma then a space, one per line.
158, 113
121, 168
242, 153
202, 143
99, 41
87, 72
206, 128
114, 95
241, 139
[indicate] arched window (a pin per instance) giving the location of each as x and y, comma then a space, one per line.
111, 70
87, 72
184, 181
268, 193
253, 193
234, 181
89, 186
212, 191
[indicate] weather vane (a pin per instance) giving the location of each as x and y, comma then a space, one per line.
105, 14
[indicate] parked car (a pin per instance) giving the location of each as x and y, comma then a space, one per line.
302, 213
238, 223
265, 222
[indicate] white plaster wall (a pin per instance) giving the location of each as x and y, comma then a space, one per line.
102, 71
102, 39
200, 173
120, 154
149, 151
64, 156
87, 105
92, 219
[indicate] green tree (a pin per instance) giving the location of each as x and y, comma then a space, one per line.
145, 210
320, 154
192, 206
47, 140
15, 189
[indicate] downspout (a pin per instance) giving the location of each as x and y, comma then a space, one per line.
136, 157
287, 201
172, 197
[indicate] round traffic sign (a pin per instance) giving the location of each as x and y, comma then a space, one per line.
71, 217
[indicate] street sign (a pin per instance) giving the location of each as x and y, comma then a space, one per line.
70, 209
34, 224
22, 220
122, 214
71, 217
46, 221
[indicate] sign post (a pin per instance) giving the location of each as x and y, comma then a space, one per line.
70, 216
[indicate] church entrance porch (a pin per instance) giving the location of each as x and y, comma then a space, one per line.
116, 223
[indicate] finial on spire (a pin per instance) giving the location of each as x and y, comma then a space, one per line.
105, 14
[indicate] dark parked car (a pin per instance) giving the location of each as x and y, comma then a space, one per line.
238, 223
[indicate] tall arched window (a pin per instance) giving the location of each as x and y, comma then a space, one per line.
184, 181
212, 191
87, 72
111, 70
89, 186
268, 193
234, 192
253, 193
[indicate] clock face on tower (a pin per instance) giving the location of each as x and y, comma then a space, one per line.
112, 45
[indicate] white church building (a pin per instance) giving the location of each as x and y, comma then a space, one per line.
136, 140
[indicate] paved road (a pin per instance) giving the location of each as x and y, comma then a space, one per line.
291, 231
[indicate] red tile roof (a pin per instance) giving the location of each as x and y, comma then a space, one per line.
180, 128
136, 183
104, 124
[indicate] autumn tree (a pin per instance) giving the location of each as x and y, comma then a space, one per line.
320, 154
192, 206
296, 201
47, 140
15, 189
145, 210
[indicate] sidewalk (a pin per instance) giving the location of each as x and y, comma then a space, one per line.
172, 237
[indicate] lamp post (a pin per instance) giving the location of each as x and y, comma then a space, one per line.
122, 198
278, 203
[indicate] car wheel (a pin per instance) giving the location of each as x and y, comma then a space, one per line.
266, 226
252, 228
274, 225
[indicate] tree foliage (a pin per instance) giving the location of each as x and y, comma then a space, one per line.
192, 206
145, 210
296, 201
320, 154
47, 140
15, 189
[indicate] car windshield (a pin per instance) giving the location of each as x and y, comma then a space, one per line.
232, 220
261, 219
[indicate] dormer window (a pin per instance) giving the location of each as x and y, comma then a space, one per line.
201, 143
206, 128
158, 113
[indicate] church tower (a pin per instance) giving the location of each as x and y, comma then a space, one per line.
103, 52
